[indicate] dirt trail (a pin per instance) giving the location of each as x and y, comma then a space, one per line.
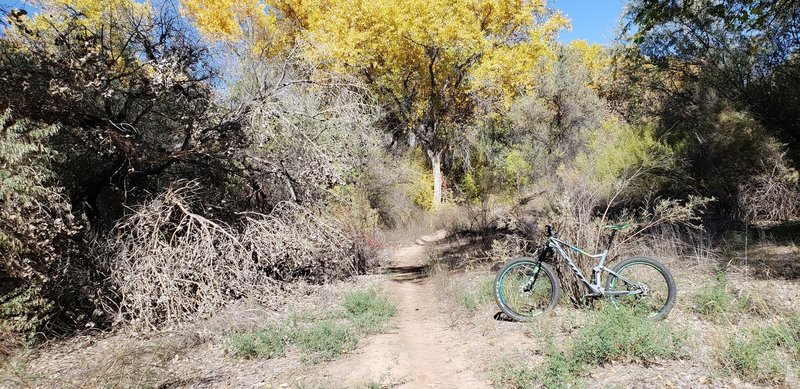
421, 351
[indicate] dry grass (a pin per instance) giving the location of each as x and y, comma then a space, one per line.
10, 341
125, 363
195, 354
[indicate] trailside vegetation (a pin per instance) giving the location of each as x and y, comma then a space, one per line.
161, 159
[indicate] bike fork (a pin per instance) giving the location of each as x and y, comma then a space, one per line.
529, 286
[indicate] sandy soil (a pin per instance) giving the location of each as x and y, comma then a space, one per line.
422, 351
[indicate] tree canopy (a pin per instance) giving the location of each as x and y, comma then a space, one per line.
427, 60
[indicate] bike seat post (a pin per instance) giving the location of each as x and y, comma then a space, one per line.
611, 240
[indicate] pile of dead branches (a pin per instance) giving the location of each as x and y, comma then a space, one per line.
170, 264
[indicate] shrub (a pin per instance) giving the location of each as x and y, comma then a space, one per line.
36, 232
351, 207
420, 190
585, 207
368, 310
190, 266
22, 311
283, 161
264, 343
773, 194
325, 339
35, 218
395, 187
745, 357
763, 354
785, 334
717, 302
513, 373
618, 333
559, 369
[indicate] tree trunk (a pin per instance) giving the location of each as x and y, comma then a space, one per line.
436, 166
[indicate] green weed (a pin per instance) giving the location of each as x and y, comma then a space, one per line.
558, 370
734, 241
744, 357
322, 334
514, 373
325, 339
264, 343
613, 333
312, 316
466, 299
785, 334
16, 372
718, 303
369, 385
618, 333
368, 310
763, 354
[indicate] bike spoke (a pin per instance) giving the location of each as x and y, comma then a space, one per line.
647, 287
524, 292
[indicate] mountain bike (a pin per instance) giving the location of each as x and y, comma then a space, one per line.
526, 288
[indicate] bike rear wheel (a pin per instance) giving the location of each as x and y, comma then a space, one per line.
650, 286
526, 288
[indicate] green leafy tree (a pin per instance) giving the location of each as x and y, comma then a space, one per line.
721, 79
426, 60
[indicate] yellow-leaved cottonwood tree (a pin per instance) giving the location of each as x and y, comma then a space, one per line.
429, 60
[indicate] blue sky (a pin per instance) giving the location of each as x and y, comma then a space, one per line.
19, 4
592, 20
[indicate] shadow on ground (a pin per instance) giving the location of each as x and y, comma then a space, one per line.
465, 249
784, 266
773, 252
413, 273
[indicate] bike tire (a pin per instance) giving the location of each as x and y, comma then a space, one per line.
620, 268
503, 299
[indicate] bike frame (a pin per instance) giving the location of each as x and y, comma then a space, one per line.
594, 286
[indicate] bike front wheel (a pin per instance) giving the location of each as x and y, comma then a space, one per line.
648, 286
526, 288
